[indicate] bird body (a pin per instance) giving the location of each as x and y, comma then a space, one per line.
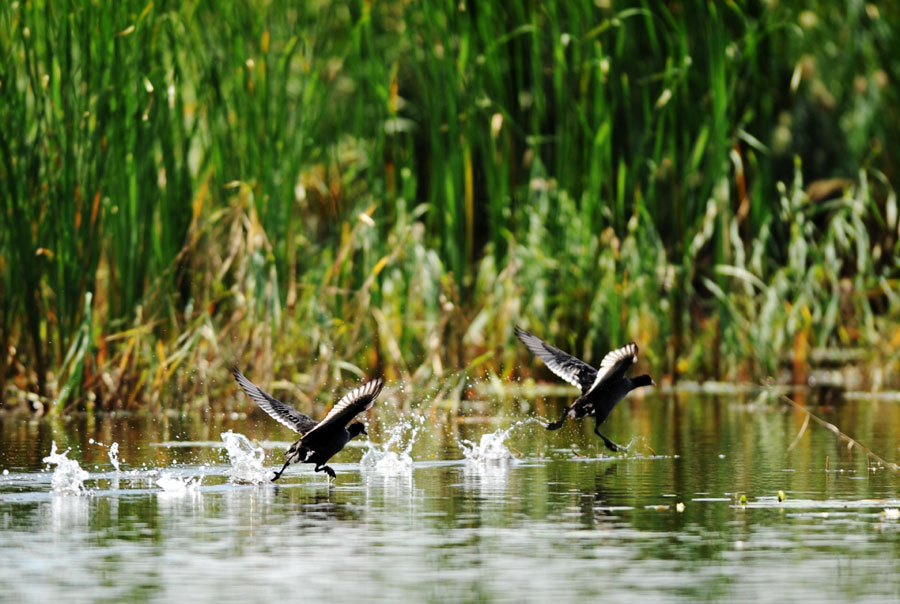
319, 441
601, 389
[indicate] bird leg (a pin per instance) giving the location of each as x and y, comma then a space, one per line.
327, 470
281, 471
559, 424
609, 444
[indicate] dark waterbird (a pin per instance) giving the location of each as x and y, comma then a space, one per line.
319, 440
601, 389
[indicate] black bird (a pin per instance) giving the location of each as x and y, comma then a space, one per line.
319, 440
601, 389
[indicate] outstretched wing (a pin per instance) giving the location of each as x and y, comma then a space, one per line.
357, 400
284, 414
575, 371
614, 365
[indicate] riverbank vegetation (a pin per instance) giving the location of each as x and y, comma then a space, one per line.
343, 188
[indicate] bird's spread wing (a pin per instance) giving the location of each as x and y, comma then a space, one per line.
575, 371
357, 400
614, 365
284, 414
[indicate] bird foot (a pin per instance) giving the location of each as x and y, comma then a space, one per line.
613, 446
616, 448
281, 471
327, 470
610, 444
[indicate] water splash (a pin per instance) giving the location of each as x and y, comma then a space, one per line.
246, 460
114, 456
393, 457
492, 449
175, 484
68, 477
113, 452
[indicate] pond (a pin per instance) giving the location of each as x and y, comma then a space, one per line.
487, 508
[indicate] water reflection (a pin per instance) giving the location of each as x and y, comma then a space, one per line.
489, 479
183, 502
67, 513
518, 514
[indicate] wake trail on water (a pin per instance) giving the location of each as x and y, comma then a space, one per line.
177, 484
492, 448
68, 477
392, 458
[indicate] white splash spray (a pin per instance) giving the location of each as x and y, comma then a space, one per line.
246, 460
492, 449
113, 452
175, 484
68, 477
393, 457
114, 456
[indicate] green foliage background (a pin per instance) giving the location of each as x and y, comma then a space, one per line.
322, 188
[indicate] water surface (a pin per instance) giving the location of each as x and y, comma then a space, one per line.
434, 511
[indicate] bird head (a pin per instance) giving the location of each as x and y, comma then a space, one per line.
643, 380
356, 428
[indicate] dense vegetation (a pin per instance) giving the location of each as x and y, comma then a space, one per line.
389, 186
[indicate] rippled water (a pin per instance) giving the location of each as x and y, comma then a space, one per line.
180, 508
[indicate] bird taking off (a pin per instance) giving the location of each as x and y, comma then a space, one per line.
601, 389
319, 441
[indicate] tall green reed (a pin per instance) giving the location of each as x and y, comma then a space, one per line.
339, 187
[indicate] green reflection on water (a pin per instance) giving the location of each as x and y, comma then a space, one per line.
564, 520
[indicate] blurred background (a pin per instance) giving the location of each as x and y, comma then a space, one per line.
336, 189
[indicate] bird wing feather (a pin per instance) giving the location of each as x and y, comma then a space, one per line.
283, 414
573, 370
357, 400
614, 365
